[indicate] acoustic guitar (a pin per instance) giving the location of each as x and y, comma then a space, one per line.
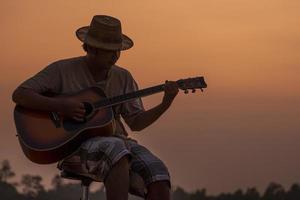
47, 137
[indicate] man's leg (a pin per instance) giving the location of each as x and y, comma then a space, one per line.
117, 181
152, 170
158, 190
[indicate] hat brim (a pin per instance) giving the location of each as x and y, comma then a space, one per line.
81, 33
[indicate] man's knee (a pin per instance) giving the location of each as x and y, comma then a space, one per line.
122, 163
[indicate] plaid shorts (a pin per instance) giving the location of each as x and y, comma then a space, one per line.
96, 157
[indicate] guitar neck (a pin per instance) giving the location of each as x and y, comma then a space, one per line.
184, 84
129, 96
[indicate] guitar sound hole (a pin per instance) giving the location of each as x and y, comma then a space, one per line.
89, 108
73, 125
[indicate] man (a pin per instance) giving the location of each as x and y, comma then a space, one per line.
116, 159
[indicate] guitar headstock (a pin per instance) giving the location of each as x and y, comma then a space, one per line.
192, 84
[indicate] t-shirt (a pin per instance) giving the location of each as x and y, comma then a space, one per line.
71, 75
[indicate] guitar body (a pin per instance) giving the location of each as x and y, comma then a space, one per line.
47, 137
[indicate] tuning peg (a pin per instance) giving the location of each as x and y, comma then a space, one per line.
194, 90
186, 91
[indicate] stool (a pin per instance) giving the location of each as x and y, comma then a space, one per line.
134, 187
85, 182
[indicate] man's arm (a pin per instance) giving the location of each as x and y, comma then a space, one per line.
31, 99
146, 118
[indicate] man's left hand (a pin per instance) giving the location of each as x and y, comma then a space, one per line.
171, 90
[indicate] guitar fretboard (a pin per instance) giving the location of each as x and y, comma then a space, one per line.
132, 95
183, 84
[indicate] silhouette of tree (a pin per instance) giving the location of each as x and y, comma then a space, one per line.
32, 185
9, 192
293, 193
179, 194
57, 181
274, 192
198, 195
5, 171
251, 194
224, 196
65, 191
237, 195
33, 189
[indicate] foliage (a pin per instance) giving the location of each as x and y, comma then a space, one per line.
5, 171
32, 185
33, 189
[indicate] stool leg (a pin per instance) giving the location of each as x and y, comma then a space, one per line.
85, 192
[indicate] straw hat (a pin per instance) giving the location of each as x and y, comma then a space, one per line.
104, 32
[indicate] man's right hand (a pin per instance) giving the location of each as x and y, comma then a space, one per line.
72, 108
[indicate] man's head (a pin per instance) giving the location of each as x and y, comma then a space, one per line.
103, 40
101, 57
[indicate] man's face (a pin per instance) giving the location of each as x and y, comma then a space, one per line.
103, 58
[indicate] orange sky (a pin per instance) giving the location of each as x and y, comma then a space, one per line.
242, 132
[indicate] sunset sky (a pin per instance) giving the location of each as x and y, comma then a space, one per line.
243, 131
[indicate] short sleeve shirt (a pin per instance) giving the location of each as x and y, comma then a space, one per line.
71, 75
